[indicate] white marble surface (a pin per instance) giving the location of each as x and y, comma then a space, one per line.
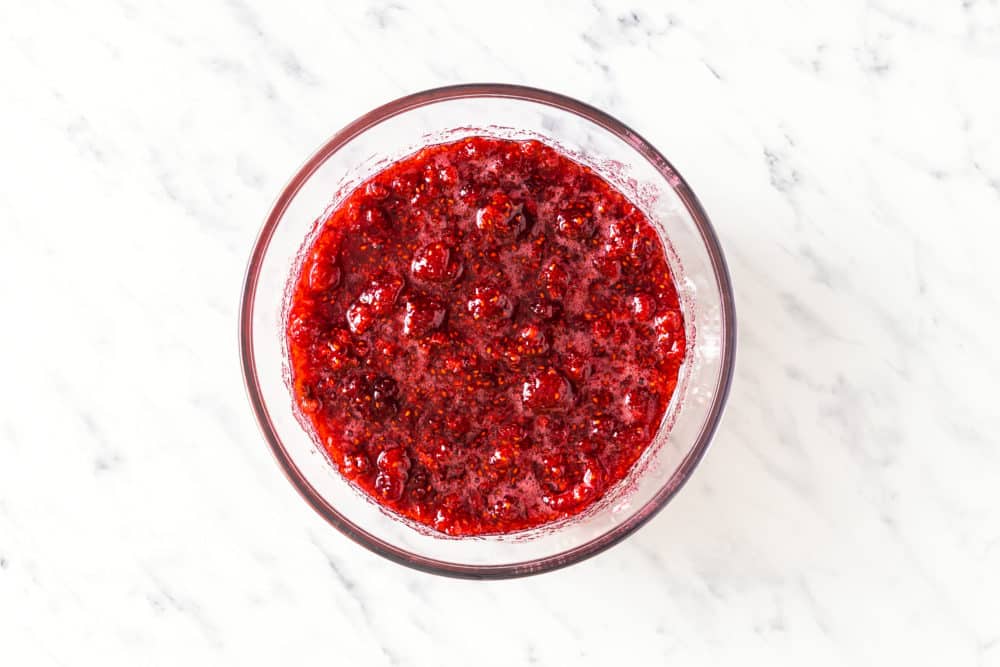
849, 154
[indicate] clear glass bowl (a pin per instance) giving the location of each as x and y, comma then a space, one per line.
614, 151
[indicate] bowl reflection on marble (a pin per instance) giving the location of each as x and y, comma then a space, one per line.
617, 154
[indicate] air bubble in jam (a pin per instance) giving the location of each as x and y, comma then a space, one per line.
484, 336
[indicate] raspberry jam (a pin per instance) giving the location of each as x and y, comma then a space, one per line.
484, 336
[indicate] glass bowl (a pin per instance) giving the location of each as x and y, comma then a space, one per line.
589, 136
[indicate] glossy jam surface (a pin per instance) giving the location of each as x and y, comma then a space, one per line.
484, 337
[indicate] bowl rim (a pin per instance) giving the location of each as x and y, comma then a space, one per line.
599, 543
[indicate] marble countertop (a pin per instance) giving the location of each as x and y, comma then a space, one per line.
849, 510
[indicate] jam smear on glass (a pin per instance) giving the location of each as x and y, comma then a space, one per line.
484, 337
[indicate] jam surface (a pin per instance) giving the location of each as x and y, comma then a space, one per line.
484, 336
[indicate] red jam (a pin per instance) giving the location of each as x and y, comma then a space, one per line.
484, 337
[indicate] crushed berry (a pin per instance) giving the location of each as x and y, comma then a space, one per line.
484, 336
